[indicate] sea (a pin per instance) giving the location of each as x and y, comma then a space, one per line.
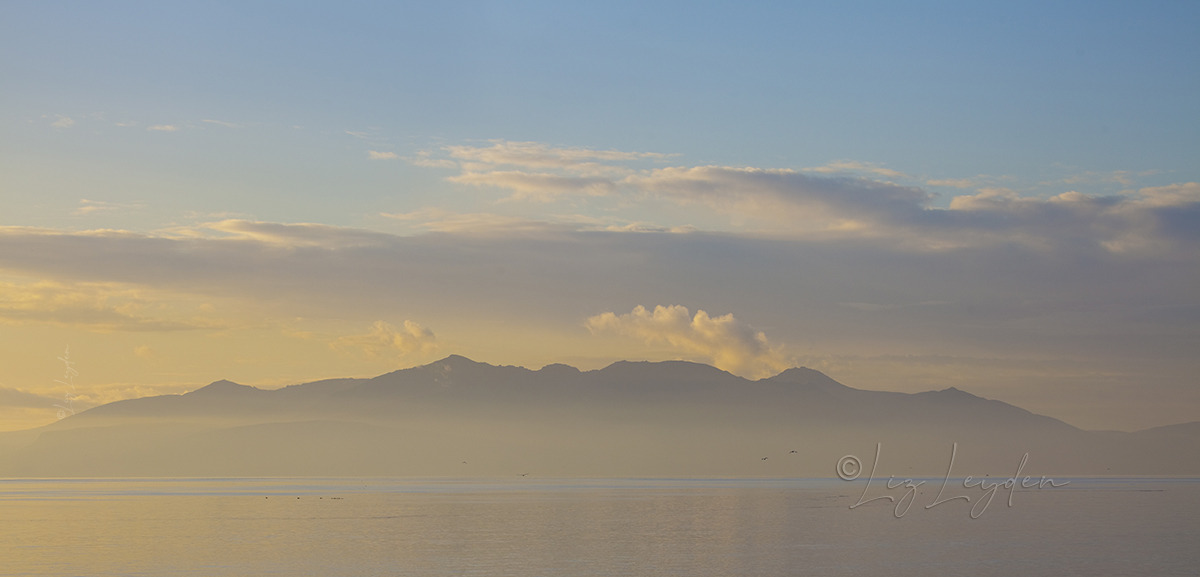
525, 527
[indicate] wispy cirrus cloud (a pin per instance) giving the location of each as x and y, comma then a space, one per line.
88, 207
854, 166
538, 155
486, 223
63, 121
163, 128
377, 155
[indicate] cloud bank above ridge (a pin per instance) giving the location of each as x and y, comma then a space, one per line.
836, 202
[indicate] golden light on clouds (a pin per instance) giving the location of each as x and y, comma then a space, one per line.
721, 341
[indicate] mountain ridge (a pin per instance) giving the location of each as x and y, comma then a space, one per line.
634, 418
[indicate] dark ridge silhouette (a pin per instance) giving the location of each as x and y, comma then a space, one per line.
672, 418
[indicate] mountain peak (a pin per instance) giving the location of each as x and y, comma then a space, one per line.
454, 361
223, 387
559, 368
805, 376
952, 394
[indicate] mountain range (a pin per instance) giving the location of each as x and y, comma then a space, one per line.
460, 418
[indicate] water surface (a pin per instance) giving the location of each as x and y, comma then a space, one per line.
528, 527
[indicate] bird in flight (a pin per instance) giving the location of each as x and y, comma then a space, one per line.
764, 458
791, 453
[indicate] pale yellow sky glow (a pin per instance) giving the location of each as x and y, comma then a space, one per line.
280, 211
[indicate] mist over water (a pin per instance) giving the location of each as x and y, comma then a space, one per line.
523, 526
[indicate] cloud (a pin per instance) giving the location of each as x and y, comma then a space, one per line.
376, 155
384, 340
1169, 196
721, 341
92, 206
98, 307
856, 166
433, 162
289, 235
832, 206
952, 182
63, 121
163, 127
440, 220
1122, 177
485, 223
783, 194
220, 122
538, 155
538, 186
1008, 298
1156, 219
10, 397
1072, 298
145, 352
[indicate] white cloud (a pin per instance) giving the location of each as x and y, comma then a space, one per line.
289, 235
90, 206
383, 340
485, 223
721, 341
63, 121
538, 186
164, 127
376, 155
220, 122
539, 155
839, 166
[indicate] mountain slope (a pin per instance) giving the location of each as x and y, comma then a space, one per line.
458, 417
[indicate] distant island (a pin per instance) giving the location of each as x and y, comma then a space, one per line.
460, 418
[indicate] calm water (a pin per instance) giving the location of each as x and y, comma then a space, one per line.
588, 527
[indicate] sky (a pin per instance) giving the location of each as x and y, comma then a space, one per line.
1000, 198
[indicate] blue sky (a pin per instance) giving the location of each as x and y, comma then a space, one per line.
971, 186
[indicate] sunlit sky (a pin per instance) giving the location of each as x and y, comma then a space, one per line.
1000, 198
